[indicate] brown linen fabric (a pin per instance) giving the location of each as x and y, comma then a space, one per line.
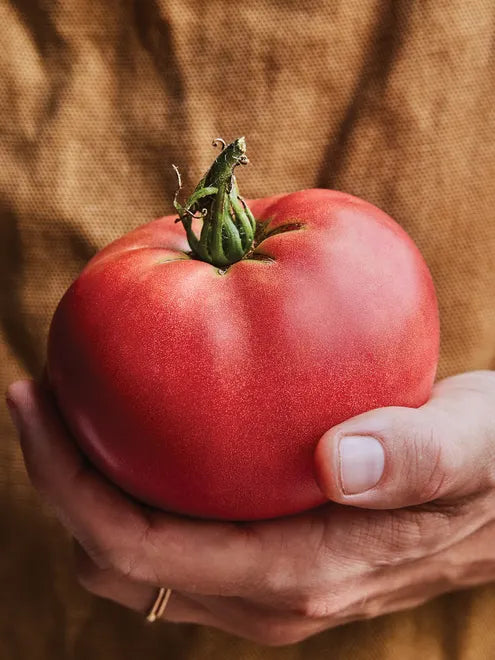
390, 100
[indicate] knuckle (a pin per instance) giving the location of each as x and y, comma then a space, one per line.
277, 580
109, 558
426, 464
124, 559
99, 554
316, 607
120, 562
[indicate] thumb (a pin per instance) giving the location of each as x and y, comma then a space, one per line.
395, 457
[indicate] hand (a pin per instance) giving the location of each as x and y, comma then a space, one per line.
431, 530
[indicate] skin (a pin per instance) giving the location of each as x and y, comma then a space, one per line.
425, 528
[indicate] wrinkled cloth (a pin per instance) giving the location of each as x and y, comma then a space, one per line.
392, 101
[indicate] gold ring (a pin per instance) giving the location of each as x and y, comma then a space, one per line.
158, 607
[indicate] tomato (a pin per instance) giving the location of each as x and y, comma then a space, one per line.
203, 389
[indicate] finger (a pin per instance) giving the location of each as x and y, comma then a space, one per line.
138, 596
232, 615
118, 533
89, 507
396, 457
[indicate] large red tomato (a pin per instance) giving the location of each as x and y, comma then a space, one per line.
204, 391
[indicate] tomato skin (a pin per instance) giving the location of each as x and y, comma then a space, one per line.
205, 393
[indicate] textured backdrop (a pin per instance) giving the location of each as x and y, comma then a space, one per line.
392, 100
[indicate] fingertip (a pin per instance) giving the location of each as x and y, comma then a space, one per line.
20, 391
17, 398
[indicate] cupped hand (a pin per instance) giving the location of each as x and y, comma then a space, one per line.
412, 516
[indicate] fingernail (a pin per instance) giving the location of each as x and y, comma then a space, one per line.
14, 413
362, 460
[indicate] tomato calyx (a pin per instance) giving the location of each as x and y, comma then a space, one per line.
263, 230
230, 233
261, 234
229, 227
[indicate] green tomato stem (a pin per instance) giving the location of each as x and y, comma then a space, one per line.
228, 227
